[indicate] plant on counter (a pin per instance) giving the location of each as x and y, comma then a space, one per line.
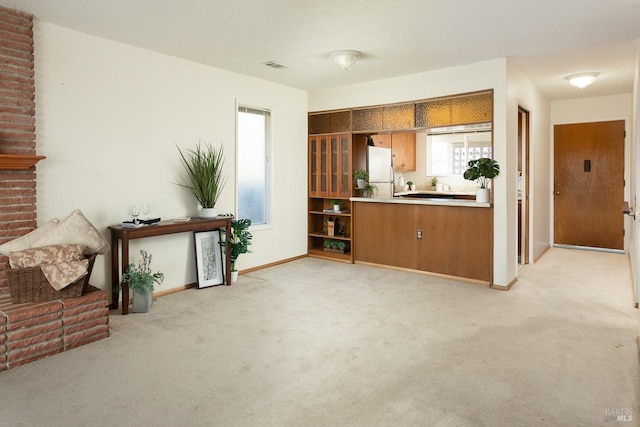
139, 276
434, 181
238, 239
409, 183
482, 170
369, 189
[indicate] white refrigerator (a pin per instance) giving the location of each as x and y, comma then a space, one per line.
380, 168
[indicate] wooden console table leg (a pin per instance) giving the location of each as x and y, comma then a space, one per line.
115, 271
125, 264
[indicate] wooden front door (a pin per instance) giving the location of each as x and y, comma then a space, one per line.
589, 184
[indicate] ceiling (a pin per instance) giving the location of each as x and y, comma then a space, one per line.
546, 39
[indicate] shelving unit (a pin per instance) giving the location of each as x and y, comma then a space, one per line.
318, 233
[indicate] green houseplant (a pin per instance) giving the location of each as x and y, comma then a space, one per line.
369, 189
140, 280
483, 171
335, 246
361, 176
204, 176
238, 240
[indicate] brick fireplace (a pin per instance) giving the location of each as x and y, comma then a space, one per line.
31, 331
17, 128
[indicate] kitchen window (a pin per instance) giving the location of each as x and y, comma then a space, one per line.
253, 164
449, 154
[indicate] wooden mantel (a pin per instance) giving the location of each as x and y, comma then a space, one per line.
18, 162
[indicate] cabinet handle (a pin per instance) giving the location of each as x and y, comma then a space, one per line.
419, 234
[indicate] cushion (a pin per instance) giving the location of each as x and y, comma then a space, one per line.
26, 241
53, 254
75, 229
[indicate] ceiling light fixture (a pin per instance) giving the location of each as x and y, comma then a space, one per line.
582, 80
345, 58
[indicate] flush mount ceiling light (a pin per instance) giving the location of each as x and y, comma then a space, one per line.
582, 80
345, 58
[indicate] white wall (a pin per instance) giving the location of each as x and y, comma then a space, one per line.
109, 117
469, 78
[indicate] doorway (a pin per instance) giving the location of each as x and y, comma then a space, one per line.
523, 186
589, 185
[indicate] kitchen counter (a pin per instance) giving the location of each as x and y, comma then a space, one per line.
403, 199
449, 237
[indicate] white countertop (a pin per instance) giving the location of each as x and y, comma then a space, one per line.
426, 201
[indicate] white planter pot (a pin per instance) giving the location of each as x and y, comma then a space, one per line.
336, 208
360, 183
142, 300
482, 195
208, 213
234, 276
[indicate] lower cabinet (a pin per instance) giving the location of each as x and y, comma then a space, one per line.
450, 240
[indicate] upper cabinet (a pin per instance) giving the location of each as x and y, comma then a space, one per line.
388, 117
403, 146
330, 122
455, 110
468, 108
381, 140
330, 166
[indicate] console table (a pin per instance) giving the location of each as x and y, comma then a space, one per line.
120, 234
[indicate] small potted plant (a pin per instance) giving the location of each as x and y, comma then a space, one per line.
411, 185
337, 246
204, 176
238, 240
434, 182
336, 205
140, 280
362, 177
369, 189
483, 171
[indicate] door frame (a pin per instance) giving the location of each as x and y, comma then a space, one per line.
524, 117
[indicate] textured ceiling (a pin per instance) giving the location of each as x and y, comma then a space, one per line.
547, 39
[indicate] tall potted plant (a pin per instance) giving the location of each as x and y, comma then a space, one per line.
140, 280
237, 241
203, 175
483, 171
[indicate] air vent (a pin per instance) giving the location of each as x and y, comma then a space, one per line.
273, 64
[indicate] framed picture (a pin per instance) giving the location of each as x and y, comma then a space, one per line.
208, 258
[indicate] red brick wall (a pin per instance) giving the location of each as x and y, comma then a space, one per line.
17, 128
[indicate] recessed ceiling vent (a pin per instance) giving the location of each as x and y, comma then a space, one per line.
273, 64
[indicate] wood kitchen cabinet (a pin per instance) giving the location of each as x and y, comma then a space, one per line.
382, 140
330, 165
385, 234
449, 240
456, 241
330, 169
403, 146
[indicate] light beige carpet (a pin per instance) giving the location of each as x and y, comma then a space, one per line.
316, 343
